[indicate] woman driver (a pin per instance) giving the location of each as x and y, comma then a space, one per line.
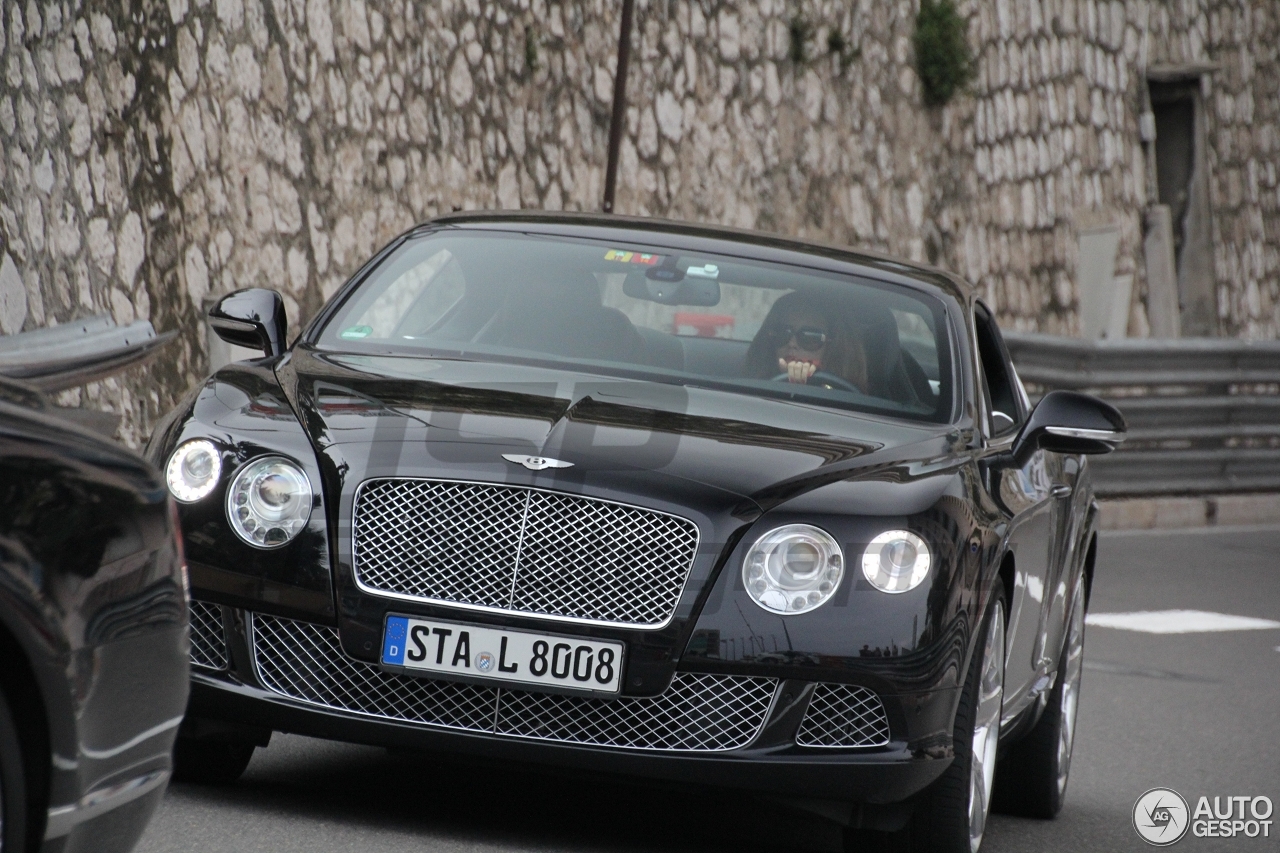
801, 336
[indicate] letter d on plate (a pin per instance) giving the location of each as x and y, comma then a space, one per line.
393, 641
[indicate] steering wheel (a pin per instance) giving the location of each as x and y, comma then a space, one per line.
823, 379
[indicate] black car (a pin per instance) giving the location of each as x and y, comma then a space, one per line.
667, 500
93, 645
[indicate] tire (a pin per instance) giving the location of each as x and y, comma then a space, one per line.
1034, 773
210, 761
13, 785
951, 816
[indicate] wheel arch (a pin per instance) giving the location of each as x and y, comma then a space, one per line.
1091, 549
1006, 575
1090, 562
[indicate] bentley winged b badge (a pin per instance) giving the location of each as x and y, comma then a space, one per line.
535, 463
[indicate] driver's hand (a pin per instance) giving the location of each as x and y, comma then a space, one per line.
797, 371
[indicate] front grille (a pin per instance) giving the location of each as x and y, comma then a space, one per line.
519, 549
695, 713
208, 639
306, 662
843, 715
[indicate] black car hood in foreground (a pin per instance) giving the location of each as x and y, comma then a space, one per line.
416, 416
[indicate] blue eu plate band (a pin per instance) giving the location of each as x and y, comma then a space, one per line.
393, 640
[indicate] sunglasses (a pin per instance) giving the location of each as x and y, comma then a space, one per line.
807, 338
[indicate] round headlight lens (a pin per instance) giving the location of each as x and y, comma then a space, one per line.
896, 561
193, 470
269, 502
793, 569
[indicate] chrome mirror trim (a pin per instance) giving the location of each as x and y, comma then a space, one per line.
1107, 435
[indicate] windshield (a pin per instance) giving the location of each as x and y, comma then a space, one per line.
748, 326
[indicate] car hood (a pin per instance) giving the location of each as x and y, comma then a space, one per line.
417, 416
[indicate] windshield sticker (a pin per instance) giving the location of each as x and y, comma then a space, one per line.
708, 271
632, 257
355, 333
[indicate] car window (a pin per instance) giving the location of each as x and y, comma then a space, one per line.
753, 327
419, 290
1005, 409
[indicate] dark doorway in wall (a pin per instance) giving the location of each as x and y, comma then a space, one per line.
1182, 184
1175, 110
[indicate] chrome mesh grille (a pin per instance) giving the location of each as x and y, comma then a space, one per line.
447, 541
843, 715
306, 662
208, 639
695, 713
520, 549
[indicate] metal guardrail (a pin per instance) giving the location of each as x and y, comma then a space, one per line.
75, 353
1204, 414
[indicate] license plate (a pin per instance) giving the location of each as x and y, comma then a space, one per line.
499, 654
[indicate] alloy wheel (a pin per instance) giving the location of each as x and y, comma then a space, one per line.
986, 729
1073, 668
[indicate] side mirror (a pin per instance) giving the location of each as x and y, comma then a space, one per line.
252, 318
1070, 422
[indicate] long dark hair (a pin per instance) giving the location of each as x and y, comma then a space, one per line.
843, 357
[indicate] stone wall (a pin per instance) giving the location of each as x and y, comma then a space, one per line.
87, 220
159, 151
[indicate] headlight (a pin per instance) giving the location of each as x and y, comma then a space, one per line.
269, 502
193, 470
793, 569
896, 561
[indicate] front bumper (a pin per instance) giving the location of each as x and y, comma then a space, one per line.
721, 730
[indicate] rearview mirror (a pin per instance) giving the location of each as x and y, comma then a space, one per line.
1070, 422
252, 318
672, 286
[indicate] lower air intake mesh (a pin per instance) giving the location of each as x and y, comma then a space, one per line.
842, 715
208, 639
696, 712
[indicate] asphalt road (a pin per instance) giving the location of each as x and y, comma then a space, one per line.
1195, 712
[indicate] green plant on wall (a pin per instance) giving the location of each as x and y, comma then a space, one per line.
943, 58
799, 32
839, 47
530, 50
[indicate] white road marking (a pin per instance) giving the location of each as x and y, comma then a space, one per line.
1225, 530
1179, 622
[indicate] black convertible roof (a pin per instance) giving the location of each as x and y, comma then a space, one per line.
764, 245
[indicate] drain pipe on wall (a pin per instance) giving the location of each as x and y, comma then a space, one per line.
619, 105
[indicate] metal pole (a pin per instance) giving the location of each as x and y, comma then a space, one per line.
619, 105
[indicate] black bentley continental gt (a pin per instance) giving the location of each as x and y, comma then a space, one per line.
659, 499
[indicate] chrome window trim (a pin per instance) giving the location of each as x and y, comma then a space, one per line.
504, 611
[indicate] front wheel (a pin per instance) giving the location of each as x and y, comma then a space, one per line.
1033, 776
209, 761
951, 817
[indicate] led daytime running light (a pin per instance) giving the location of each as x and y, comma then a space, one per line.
193, 470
